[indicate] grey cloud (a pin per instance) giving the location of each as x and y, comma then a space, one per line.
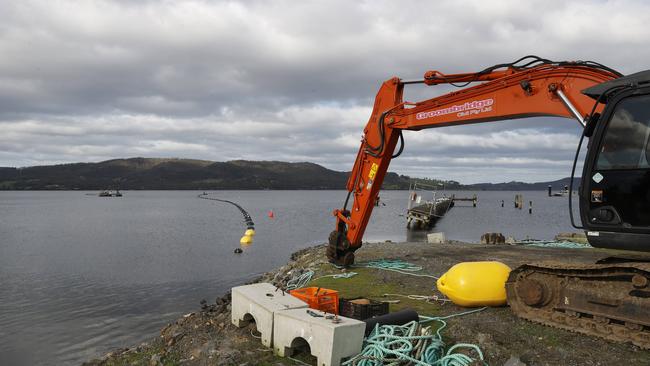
87, 81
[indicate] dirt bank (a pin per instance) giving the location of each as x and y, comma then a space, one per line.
207, 337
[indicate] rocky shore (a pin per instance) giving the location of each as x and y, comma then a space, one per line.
207, 337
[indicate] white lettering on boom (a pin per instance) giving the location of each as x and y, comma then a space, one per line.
467, 106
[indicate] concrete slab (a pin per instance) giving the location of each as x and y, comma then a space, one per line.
436, 238
328, 341
259, 302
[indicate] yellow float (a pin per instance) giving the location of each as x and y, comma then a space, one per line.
473, 284
246, 239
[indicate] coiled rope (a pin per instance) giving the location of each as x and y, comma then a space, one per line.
247, 218
553, 244
429, 299
413, 343
394, 265
299, 281
302, 279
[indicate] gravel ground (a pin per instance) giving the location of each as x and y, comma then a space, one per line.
207, 337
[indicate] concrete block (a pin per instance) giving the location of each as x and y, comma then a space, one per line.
328, 341
436, 238
258, 302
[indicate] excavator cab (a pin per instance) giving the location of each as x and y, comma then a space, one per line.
615, 187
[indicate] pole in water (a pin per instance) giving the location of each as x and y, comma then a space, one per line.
530, 207
519, 201
501, 203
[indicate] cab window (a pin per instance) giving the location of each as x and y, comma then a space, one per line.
625, 144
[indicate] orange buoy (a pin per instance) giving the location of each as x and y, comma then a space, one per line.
271, 214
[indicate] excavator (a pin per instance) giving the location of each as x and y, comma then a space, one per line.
610, 298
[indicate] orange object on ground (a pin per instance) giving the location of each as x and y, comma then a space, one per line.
319, 298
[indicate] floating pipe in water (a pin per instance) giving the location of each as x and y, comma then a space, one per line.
250, 226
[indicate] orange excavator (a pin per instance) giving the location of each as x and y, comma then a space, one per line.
610, 298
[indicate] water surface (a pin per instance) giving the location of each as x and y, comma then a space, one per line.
81, 275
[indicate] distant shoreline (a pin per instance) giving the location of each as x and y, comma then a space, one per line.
255, 189
199, 175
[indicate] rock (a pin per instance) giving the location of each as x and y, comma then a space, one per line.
169, 331
155, 360
493, 238
196, 353
514, 361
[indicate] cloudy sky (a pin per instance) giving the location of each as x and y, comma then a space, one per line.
286, 80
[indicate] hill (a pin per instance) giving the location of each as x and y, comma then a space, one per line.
145, 173
148, 173
521, 186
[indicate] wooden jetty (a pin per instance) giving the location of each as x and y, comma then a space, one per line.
473, 199
426, 215
423, 213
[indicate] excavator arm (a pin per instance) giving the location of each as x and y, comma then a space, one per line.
537, 88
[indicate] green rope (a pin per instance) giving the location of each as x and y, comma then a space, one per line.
337, 276
394, 265
304, 278
553, 244
299, 281
415, 344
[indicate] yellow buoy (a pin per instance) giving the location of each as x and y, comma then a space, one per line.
473, 284
246, 239
250, 232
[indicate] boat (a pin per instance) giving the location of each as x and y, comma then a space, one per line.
109, 193
423, 212
562, 193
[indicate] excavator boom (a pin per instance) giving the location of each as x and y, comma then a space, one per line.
609, 299
508, 91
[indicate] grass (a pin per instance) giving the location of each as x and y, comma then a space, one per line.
372, 284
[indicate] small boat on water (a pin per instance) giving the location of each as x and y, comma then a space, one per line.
426, 206
109, 193
562, 193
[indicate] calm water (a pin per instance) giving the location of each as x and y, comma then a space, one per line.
81, 275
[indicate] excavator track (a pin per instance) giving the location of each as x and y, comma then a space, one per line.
610, 301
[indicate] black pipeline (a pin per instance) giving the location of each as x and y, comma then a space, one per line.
250, 226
